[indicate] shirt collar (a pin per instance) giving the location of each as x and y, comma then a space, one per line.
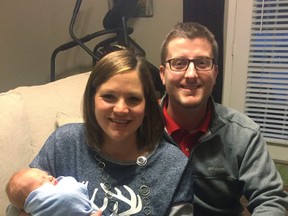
172, 126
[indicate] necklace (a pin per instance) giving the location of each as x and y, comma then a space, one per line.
138, 202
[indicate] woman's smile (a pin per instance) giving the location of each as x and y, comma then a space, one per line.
120, 106
119, 121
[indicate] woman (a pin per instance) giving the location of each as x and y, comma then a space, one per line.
119, 151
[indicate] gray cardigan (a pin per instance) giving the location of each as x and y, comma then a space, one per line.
232, 160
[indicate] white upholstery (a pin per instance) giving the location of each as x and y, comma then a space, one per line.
28, 115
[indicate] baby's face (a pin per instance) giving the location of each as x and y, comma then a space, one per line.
37, 177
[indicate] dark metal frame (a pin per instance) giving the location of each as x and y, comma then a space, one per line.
120, 35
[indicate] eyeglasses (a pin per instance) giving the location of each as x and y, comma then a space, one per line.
200, 64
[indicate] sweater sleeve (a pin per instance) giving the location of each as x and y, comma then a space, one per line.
182, 203
264, 188
183, 209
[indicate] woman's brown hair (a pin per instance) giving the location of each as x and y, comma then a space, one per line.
121, 61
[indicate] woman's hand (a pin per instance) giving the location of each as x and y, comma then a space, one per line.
98, 213
23, 213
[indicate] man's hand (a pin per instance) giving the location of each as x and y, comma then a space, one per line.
98, 213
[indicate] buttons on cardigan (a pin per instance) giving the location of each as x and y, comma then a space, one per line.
141, 161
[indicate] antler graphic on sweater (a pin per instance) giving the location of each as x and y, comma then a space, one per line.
94, 206
134, 201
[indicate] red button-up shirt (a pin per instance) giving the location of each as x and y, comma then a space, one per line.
185, 139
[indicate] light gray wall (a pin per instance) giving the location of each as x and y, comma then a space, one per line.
32, 29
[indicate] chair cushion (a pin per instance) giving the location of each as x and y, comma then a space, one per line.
14, 140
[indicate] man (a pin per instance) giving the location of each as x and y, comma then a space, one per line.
227, 151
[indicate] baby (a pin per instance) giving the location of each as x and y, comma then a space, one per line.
38, 193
